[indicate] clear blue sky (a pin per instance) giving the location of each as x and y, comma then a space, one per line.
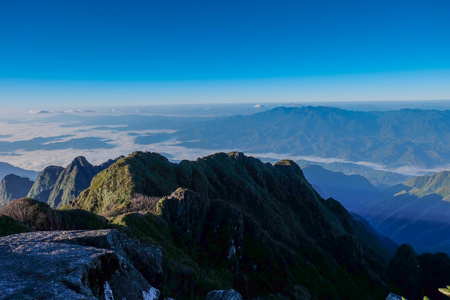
151, 51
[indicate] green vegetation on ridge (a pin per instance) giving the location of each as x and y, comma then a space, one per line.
231, 215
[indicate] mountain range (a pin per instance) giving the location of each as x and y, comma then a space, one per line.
6, 169
393, 139
378, 178
341, 140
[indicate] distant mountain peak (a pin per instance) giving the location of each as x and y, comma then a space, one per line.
6, 169
13, 187
81, 161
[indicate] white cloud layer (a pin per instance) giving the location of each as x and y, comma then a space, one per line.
123, 144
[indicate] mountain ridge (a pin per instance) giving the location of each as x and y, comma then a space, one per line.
386, 138
238, 214
58, 186
6, 169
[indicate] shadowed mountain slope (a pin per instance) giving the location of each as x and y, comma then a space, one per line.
13, 187
415, 212
353, 191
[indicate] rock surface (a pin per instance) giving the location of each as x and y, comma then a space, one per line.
76, 265
223, 295
393, 296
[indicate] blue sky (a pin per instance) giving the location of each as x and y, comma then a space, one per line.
103, 52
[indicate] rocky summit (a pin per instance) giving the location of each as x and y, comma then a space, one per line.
77, 265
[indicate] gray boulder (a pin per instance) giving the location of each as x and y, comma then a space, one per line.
145, 258
223, 295
393, 296
95, 264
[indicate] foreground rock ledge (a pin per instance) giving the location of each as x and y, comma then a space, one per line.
77, 265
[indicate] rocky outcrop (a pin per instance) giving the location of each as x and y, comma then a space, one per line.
415, 276
223, 295
404, 271
45, 183
147, 259
77, 265
13, 187
393, 296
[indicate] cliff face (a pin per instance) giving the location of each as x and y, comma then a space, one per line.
13, 187
262, 226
